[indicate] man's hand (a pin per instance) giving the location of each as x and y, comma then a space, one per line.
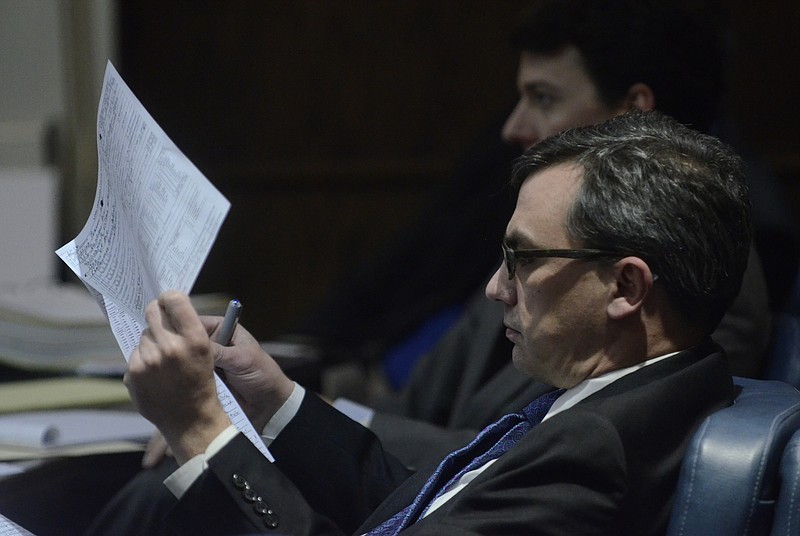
254, 378
170, 377
171, 381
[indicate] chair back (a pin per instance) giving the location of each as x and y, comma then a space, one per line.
729, 480
783, 356
787, 509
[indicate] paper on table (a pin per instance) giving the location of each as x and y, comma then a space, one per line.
25, 434
61, 393
8, 469
154, 219
53, 429
51, 303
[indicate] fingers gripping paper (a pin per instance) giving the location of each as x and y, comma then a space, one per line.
154, 219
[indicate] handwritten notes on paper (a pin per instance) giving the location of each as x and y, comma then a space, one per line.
154, 216
154, 219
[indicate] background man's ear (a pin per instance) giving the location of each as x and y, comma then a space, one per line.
640, 96
633, 283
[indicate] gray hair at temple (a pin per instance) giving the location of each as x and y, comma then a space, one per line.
658, 190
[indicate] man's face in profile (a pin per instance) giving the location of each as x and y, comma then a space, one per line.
554, 308
556, 93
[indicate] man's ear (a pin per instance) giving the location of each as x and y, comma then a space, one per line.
640, 96
634, 280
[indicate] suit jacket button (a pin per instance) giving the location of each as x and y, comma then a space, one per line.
261, 508
271, 519
239, 481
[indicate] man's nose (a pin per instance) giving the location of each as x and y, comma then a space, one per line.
518, 128
500, 288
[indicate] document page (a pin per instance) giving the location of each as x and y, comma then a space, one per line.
154, 219
61, 428
9, 528
154, 216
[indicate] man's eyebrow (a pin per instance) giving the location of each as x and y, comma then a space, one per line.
517, 241
532, 86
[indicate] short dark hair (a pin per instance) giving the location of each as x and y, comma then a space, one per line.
674, 46
661, 191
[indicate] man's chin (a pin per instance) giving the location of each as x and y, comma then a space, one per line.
519, 361
524, 364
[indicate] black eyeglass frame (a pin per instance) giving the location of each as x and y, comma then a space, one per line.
511, 256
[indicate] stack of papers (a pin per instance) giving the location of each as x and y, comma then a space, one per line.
52, 327
59, 393
41, 434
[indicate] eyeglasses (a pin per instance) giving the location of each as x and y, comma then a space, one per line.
511, 256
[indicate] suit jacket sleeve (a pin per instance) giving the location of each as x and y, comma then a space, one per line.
320, 451
243, 493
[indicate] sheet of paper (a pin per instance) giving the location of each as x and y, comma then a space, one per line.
9, 528
9, 469
62, 392
154, 215
53, 429
153, 221
21, 455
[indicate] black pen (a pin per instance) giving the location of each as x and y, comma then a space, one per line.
229, 322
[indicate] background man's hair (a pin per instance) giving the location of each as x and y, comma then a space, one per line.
674, 46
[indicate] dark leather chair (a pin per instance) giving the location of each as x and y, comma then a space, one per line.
783, 355
787, 509
783, 358
730, 481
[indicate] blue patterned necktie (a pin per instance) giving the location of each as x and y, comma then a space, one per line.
491, 443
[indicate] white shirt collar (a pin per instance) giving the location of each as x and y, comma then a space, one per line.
590, 386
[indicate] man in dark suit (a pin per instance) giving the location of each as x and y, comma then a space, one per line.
627, 244
580, 62
468, 382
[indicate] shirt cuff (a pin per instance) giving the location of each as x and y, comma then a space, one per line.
284, 415
185, 475
360, 413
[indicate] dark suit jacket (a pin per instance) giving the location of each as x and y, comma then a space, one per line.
609, 465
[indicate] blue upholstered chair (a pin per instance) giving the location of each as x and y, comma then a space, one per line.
787, 509
729, 481
783, 358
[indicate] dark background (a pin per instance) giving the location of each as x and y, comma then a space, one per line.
328, 123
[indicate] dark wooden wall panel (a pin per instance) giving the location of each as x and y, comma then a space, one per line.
329, 122
326, 123
765, 79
